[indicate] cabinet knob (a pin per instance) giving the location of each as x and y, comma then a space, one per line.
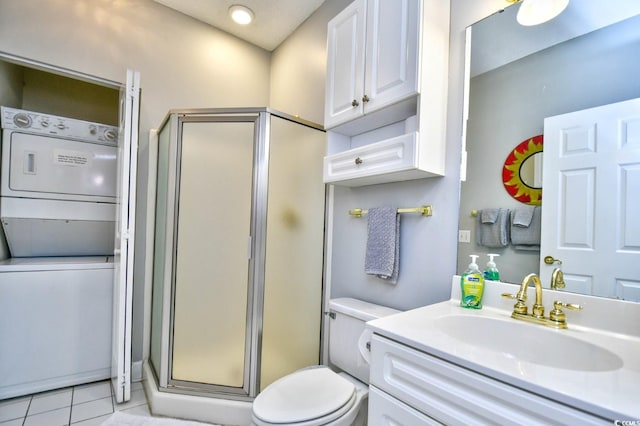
354, 103
365, 99
358, 160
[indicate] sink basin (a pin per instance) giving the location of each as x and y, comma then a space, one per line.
530, 343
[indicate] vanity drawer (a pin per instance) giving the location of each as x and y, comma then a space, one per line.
454, 395
385, 410
391, 159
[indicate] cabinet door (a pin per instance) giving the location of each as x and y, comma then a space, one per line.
345, 65
385, 410
392, 52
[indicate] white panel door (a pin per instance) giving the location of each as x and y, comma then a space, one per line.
591, 181
391, 65
345, 65
124, 241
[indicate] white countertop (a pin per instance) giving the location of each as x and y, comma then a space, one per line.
613, 394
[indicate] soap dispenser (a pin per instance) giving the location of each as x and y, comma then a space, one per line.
472, 286
491, 272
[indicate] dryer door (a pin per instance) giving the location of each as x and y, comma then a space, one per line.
49, 167
124, 241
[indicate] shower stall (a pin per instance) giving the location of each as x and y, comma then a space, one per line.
238, 251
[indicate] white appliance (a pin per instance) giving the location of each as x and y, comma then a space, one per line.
56, 319
317, 395
58, 185
58, 210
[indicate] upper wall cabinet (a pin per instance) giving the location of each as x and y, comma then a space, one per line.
386, 87
372, 58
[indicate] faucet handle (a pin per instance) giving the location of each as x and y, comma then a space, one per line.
571, 306
556, 315
520, 307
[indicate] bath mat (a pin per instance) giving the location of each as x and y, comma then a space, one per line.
123, 419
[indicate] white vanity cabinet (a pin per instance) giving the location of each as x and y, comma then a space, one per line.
386, 86
410, 387
372, 58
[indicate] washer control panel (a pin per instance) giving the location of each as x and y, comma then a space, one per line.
63, 127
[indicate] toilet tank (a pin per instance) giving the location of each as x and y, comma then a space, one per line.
346, 326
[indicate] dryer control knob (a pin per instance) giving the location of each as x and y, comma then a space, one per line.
22, 120
110, 135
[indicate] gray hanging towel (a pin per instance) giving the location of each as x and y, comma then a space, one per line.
382, 256
493, 228
525, 228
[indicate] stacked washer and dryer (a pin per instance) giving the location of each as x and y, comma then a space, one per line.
58, 209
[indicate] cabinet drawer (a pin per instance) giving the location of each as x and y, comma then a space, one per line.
385, 410
368, 164
454, 395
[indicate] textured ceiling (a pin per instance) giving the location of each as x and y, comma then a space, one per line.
274, 19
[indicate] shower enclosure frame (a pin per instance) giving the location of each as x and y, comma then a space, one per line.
257, 246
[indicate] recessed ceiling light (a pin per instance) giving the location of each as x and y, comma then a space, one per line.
241, 14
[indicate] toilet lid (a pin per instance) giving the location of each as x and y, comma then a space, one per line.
304, 395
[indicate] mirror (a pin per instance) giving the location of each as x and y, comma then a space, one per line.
528, 168
586, 57
522, 172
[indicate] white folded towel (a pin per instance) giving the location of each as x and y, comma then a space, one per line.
382, 257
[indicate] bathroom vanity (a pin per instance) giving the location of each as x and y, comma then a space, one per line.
445, 364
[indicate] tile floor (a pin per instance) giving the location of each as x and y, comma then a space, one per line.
82, 405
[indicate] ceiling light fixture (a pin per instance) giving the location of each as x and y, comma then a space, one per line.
534, 12
241, 14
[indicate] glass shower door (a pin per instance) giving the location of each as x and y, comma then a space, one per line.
212, 255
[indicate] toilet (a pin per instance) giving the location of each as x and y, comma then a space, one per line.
317, 395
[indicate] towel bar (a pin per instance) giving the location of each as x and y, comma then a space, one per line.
423, 210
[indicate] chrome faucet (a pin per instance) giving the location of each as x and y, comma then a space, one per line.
556, 319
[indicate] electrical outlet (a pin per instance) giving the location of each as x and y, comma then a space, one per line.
464, 236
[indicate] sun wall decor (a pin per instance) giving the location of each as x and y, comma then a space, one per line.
511, 172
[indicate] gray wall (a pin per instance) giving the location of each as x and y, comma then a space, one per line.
509, 104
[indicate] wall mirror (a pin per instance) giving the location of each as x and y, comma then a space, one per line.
584, 58
522, 171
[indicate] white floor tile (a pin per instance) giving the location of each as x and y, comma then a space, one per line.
88, 410
140, 410
96, 421
136, 386
15, 422
59, 417
51, 400
14, 408
91, 392
137, 398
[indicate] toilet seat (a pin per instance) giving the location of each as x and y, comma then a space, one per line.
312, 396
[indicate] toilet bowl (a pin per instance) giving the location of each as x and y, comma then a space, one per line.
317, 395
310, 397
